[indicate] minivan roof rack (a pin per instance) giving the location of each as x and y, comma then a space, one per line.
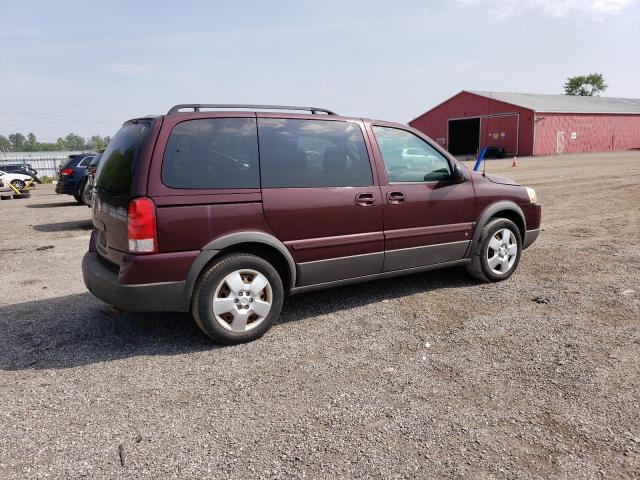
197, 106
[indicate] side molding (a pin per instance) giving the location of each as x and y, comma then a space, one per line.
489, 212
211, 249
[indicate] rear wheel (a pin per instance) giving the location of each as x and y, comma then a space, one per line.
498, 254
237, 299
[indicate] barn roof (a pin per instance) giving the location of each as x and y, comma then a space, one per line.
565, 103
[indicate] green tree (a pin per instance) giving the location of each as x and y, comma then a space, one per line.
60, 144
5, 144
96, 142
31, 144
585, 85
17, 141
74, 142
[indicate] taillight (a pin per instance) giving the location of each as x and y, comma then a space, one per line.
141, 226
66, 171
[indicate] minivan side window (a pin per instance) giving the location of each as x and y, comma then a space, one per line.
298, 153
408, 158
212, 153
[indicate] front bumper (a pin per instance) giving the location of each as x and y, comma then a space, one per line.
147, 297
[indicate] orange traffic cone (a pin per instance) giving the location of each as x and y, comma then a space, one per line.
515, 162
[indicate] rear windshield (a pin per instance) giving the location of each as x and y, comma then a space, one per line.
118, 161
73, 159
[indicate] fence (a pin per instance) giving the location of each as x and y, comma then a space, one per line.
46, 163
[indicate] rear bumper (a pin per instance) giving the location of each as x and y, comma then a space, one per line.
68, 188
147, 297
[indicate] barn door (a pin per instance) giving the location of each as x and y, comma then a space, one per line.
559, 142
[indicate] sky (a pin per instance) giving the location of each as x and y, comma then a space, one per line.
85, 66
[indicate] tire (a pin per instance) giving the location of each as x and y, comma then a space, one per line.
18, 184
496, 254
86, 196
228, 282
79, 196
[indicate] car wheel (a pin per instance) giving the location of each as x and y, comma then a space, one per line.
498, 251
237, 299
18, 184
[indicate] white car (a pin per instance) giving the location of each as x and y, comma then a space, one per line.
18, 180
418, 158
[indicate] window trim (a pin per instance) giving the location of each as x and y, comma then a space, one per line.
80, 163
363, 132
384, 166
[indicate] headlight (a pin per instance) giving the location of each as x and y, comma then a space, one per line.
533, 197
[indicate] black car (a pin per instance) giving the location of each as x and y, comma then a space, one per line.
23, 168
495, 152
89, 177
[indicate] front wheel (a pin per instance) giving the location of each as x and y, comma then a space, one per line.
237, 299
18, 184
498, 252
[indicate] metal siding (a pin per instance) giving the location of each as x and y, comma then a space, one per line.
594, 133
492, 126
467, 105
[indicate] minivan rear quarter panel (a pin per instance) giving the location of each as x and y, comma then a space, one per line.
190, 218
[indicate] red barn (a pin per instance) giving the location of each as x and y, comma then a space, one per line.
532, 124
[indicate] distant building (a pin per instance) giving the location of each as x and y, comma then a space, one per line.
532, 124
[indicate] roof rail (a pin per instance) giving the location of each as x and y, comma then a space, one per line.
197, 106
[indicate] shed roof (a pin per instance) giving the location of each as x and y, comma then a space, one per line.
565, 103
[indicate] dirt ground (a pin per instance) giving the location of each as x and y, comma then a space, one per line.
433, 375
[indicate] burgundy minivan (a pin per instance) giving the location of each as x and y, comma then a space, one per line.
224, 209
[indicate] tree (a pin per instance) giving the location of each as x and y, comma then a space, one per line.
60, 144
585, 85
74, 142
5, 144
95, 143
31, 143
17, 141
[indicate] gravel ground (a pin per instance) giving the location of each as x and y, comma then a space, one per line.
433, 375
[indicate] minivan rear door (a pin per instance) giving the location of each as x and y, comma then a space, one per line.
115, 185
320, 196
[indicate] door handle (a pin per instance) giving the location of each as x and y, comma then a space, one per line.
395, 198
365, 199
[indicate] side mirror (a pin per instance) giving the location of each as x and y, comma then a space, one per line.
458, 175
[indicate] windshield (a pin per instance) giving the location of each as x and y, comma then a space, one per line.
118, 161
